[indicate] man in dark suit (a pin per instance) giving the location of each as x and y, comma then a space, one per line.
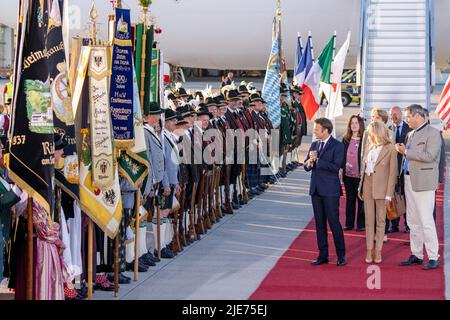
399, 131
324, 159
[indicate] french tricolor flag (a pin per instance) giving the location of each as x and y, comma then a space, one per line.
305, 63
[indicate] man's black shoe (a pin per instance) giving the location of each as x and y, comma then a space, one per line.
393, 230
341, 262
242, 202
169, 246
141, 267
146, 261
412, 260
235, 205
125, 276
348, 228
150, 256
319, 261
224, 210
361, 229
263, 186
122, 278
257, 191
166, 253
432, 264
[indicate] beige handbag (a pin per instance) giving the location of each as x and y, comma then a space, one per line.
401, 203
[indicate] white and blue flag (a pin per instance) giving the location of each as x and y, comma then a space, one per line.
271, 86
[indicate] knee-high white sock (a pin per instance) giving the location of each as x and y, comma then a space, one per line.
169, 232
162, 233
155, 233
289, 158
186, 223
142, 241
129, 252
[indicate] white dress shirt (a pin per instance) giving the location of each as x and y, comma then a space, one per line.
371, 159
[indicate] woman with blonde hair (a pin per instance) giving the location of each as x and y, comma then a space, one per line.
376, 189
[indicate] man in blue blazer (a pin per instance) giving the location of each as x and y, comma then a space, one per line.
324, 160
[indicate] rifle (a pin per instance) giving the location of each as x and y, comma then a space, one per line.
158, 223
176, 239
199, 227
243, 187
182, 230
192, 234
211, 187
217, 210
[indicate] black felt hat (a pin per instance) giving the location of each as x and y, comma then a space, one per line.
243, 89
153, 108
203, 110
185, 111
210, 102
182, 92
170, 114
283, 88
233, 95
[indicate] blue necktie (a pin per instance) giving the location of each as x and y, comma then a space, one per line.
397, 136
321, 147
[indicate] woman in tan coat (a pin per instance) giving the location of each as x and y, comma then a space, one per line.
376, 189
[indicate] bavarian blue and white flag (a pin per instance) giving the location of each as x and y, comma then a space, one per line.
271, 86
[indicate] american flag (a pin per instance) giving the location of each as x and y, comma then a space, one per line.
443, 108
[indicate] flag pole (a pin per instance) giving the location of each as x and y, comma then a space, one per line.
84, 131
90, 260
143, 54
116, 265
327, 113
136, 234
112, 18
29, 292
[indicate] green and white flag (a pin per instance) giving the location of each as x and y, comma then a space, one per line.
133, 163
332, 90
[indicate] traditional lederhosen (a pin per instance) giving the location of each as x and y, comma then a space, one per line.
234, 122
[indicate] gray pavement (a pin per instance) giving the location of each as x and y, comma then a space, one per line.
232, 259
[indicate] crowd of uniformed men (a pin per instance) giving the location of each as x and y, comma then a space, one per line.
195, 190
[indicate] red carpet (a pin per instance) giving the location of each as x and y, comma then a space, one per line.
294, 278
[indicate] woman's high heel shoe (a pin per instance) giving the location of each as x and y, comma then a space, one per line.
369, 256
378, 258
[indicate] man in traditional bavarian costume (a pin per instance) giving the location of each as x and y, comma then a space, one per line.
171, 157
302, 124
214, 191
224, 182
157, 185
190, 173
269, 127
233, 122
285, 129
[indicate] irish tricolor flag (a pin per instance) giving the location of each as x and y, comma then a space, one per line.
320, 71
